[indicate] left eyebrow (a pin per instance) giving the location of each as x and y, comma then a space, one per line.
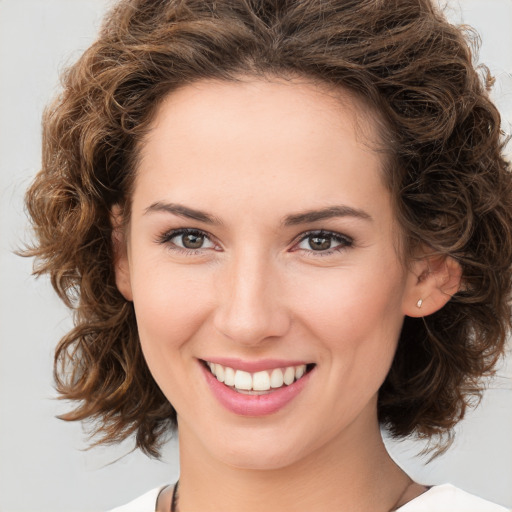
325, 213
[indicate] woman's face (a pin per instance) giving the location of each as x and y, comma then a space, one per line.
262, 239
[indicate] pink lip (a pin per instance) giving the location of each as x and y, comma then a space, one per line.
255, 366
254, 405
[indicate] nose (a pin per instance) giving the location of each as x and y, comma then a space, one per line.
250, 307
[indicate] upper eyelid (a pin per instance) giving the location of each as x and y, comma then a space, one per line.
171, 233
324, 232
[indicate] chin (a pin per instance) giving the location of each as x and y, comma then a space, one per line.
260, 452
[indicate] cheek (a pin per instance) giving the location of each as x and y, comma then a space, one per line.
355, 319
171, 304
356, 309
171, 308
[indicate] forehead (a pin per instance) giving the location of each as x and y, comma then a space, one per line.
250, 96
287, 141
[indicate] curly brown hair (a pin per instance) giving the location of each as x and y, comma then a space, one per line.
451, 186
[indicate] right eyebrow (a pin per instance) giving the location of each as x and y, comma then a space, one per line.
183, 211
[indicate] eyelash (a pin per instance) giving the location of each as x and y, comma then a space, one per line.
344, 241
166, 239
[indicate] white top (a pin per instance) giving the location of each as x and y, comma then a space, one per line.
440, 498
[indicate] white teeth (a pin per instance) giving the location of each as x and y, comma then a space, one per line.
276, 378
229, 376
258, 381
261, 381
243, 380
219, 372
289, 375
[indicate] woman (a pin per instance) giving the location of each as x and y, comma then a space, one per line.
289, 220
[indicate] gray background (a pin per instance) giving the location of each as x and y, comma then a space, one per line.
43, 464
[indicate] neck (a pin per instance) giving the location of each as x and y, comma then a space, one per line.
352, 472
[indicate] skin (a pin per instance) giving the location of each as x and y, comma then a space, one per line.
251, 154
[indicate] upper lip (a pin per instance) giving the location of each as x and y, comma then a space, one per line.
255, 366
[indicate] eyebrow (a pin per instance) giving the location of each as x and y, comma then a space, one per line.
290, 220
183, 211
326, 213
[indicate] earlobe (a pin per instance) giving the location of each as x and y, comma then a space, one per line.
431, 283
120, 251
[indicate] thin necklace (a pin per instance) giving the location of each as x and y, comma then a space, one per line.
174, 499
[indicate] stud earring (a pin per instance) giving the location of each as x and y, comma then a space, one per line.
419, 303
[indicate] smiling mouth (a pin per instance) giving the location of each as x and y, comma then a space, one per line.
258, 383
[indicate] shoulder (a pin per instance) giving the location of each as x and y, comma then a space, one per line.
439, 498
442, 498
144, 503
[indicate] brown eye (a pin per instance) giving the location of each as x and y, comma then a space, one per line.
319, 243
187, 239
192, 240
324, 242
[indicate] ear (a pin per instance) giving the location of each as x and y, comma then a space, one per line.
120, 250
431, 282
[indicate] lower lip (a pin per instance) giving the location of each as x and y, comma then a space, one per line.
254, 405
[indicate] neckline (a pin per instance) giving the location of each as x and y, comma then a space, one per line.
417, 498
399, 509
